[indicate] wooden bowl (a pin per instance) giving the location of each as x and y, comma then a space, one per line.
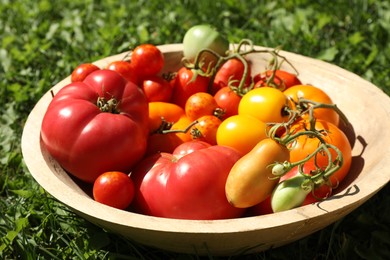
365, 105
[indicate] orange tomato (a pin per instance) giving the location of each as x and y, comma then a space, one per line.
266, 104
167, 142
159, 111
314, 94
305, 145
182, 124
206, 129
241, 132
200, 104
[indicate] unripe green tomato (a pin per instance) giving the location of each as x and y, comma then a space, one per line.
203, 36
289, 194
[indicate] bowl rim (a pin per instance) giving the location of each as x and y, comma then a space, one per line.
37, 164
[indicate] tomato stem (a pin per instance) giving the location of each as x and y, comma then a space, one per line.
185, 130
310, 105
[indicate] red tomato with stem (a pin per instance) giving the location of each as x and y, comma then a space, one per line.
230, 74
186, 187
115, 189
125, 69
187, 84
227, 100
156, 88
279, 79
82, 71
147, 60
96, 125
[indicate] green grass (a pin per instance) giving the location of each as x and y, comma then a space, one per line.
42, 41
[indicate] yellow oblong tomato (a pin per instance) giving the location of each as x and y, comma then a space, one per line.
241, 132
304, 145
317, 95
266, 104
250, 180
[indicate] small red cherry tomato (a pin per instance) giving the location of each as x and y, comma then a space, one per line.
82, 71
147, 60
186, 85
228, 101
125, 69
115, 189
279, 79
157, 89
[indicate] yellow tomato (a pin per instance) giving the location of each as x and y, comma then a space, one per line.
241, 132
266, 104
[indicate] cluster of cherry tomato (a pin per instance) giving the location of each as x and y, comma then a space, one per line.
223, 139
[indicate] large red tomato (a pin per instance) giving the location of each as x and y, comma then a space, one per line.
186, 187
98, 125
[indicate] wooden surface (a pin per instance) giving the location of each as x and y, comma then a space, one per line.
365, 105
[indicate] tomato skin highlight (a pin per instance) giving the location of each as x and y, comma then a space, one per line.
249, 181
189, 187
86, 141
114, 189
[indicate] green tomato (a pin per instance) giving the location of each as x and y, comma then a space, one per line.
203, 36
289, 194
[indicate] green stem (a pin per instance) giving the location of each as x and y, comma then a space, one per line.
185, 130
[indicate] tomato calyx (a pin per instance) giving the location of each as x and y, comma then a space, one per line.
109, 106
164, 126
